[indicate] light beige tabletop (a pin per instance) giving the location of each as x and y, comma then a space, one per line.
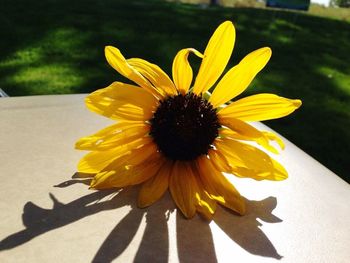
46, 216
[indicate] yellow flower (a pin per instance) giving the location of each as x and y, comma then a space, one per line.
169, 135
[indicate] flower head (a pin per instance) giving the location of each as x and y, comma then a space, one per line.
170, 135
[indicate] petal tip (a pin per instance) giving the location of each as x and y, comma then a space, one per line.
108, 48
187, 214
227, 23
141, 204
297, 103
111, 51
241, 209
268, 51
93, 183
77, 146
283, 177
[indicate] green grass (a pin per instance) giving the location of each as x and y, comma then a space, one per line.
56, 46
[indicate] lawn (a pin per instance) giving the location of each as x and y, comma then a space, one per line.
56, 46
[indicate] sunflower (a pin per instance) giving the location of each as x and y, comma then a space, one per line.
172, 135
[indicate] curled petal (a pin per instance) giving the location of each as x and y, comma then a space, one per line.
182, 71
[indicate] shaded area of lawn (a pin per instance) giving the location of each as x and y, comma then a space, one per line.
56, 46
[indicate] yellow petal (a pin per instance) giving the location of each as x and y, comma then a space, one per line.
219, 161
244, 131
237, 79
94, 162
260, 107
113, 136
216, 56
155, 75
135, 156
155, 187
206, 206
182, 71
248, 161
219, 188
240, 127
183, 188
134, 168
127, 176
119, 63
121, 101
263, 141
273, 137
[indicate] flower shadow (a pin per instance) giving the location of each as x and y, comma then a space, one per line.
194, 237
154, 246
243, 230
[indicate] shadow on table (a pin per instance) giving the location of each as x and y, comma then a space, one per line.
194, 237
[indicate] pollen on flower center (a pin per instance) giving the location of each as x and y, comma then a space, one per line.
184, 126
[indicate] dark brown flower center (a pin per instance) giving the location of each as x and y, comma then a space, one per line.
184, 126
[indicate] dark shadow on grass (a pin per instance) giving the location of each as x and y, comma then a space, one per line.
194, 238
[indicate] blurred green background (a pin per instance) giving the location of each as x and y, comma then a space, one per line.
56, 47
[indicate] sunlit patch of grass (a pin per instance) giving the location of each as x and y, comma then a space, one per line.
22, 57
339, 78
47, 66
55, 78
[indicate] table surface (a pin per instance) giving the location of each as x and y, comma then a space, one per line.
46, 216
